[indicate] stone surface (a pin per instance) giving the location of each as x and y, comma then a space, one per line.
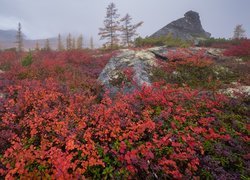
187, 28
140, 63
232, 92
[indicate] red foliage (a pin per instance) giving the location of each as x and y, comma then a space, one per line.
54, 130
240, 50
181, 57
59, 132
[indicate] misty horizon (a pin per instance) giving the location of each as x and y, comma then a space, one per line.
45, 19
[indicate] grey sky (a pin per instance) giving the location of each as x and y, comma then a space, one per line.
47, 18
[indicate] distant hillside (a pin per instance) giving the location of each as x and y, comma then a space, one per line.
8, 39
7, 35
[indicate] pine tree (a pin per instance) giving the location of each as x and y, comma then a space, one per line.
47, 45
91, 43
69, 42
111, 27
19, 37
80, 42
128, 30
239, 32
60, 46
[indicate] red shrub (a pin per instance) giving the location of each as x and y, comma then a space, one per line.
240, 50
52, 125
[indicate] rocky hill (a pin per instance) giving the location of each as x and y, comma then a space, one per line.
187, 28
7, 35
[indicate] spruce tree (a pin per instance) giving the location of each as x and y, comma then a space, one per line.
60, 46
69, 42
91, 43
73, 43
37, 48
79, 42
19, 38
47, 45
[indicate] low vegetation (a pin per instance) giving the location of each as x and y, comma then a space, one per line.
57, 123
168, 41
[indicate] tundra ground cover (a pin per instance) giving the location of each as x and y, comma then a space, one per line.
55, 125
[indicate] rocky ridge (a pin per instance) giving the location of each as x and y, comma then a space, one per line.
187, 28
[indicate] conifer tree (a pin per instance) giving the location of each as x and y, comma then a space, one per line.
128, 30
37, 48
69, 42
60, 46
19, 38
111, 27
73, 43
47, 45
79, 42
91, 43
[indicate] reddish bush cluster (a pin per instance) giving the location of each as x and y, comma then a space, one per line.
240, 50
74, 69
159, 132
188, 57
187, 67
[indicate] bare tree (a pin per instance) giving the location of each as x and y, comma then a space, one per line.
111, 27
60, 46
239, 32
128, 30
19, 38
79, 42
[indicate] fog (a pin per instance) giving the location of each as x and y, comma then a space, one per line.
47, 18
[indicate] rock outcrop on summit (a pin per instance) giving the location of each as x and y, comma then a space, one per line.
187, 28
131, 69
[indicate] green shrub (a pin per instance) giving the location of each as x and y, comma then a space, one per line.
195, 76
168, 41
218, 42
28, 60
